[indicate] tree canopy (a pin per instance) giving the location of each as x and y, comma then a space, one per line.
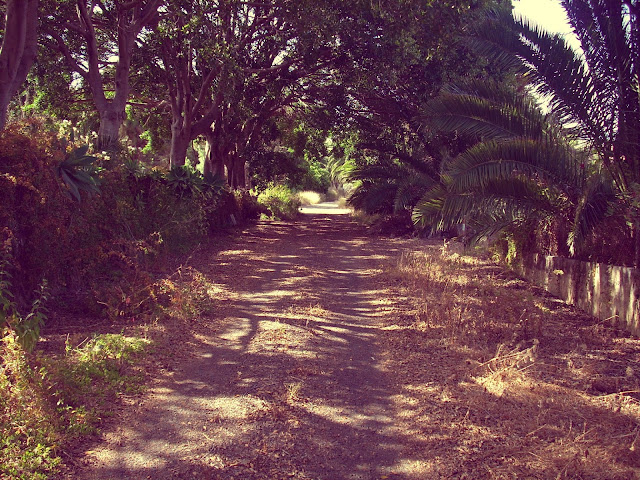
421, 90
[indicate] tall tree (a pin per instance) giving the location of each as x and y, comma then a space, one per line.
228, 66
98, 39
18, 51
186, 56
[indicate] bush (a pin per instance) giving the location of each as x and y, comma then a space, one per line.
247, 205
98, 247
280, 201
310, 198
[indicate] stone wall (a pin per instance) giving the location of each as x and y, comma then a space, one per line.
605, 291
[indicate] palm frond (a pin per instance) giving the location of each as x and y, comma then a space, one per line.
475, 168
552, 66
428, 211
592, 209
487, 111
377, 171
374, 197
495, 220
441, 210
410, 189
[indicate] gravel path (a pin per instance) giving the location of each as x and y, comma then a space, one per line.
285, 380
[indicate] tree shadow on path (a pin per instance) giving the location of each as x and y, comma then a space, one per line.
289, 386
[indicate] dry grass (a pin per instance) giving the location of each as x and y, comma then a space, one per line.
506, 381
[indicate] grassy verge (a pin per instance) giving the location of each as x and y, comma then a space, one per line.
48, 400
518, 383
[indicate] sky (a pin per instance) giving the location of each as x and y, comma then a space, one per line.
549, 14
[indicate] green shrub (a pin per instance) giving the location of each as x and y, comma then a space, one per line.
105, 244
280, 201
47, 401
310, 197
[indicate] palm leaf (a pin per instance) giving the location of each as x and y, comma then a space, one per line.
487, 110
428, 211
592, 209
374, 197
549, 63
490, 161
78, 173
377, 171
410, 189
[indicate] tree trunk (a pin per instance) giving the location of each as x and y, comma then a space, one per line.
109, 132
5, 98
19, 49
237, 174
636, 253
179, 144
213, 163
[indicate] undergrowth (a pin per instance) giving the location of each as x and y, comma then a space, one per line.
280, 201
92, 247
48, 400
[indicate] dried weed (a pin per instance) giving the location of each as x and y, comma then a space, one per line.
525, 385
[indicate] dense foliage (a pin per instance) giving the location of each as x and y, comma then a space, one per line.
556, 181
95, 244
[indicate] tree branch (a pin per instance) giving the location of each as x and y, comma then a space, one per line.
71, 62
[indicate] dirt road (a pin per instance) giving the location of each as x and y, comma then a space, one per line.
286, 383
326, 358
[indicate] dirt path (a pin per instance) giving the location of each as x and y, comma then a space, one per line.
331, 355
285, 381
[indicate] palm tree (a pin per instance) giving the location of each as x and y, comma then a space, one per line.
522, 171
592, 93
393, 171
388, 186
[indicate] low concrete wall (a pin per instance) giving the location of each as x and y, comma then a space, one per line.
605, 291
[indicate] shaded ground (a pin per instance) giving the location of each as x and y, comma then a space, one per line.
321, 360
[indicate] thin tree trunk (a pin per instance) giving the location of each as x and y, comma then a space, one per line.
636, 253
112, 111
5, 98
19, 49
